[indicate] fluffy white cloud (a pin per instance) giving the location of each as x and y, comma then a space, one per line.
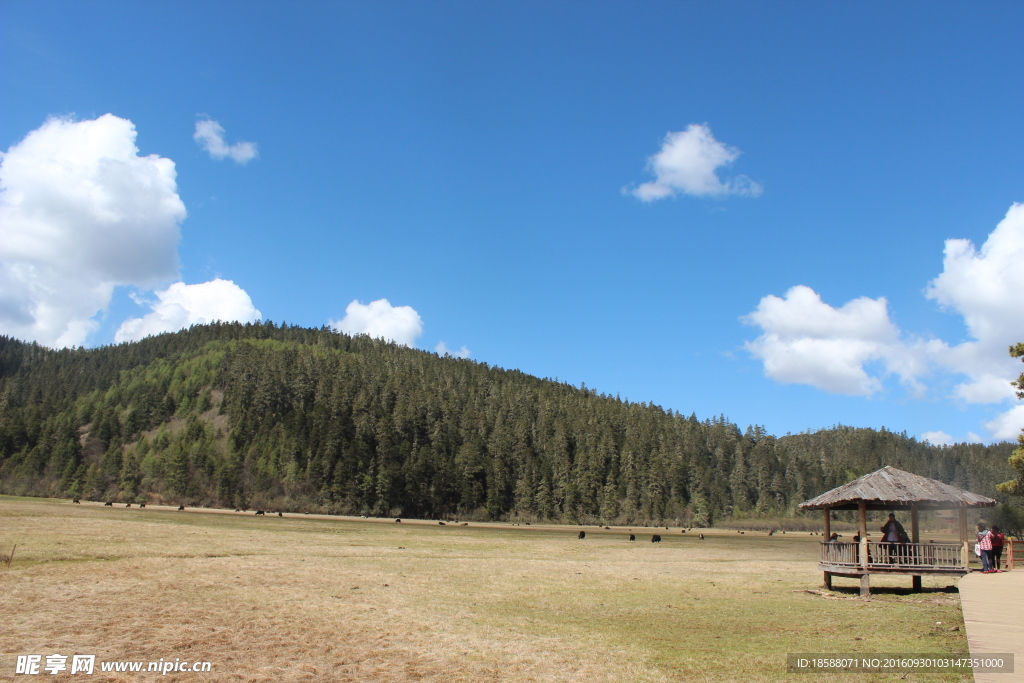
849, 350
987, 289
938, 438
400, 324
82, 212
443, 350
180, 306
689, 162
1007, 425
806, 341
210, 136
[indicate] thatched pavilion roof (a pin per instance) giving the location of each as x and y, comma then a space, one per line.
893, 489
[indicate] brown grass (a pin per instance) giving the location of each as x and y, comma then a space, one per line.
310, 598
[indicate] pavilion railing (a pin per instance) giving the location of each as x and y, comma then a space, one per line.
910, 556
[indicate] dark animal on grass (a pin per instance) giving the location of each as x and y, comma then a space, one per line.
632, 537
608, 527
441, 524
108, 505
583, 534
684, 531
464, 524
77, 501
280, 514
398, 521
261, 513
128, 505
180, 508
700, 536
142, 505
655, 538
237, 510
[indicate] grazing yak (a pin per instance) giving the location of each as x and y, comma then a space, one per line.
142, 505
583, 534
398, 521
655, 538
632, 537
77, 501
280, 514
108, 505
180, 508
128, 505
261, 513
441, 524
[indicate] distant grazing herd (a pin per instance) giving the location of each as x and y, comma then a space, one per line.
655, 538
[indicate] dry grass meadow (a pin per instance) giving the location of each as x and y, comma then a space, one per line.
309, 598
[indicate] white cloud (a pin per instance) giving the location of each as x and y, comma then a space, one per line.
1007, 425
938, 438
181, 306
443, 350
986, 289
82, 212
689, 162
210, 136
400, 324
806, 341
851, 349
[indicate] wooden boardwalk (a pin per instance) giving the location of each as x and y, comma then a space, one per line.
993, 607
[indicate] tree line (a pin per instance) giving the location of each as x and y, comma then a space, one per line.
280, 417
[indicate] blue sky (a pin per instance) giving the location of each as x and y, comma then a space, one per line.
607, 193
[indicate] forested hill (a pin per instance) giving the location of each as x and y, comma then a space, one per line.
308, 419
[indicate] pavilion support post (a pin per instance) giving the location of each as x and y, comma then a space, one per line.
915, 537
828, 532
965, 553
863, 509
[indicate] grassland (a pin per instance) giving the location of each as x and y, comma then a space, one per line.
307, 598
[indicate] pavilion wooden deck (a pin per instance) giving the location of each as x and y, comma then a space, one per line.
860, 560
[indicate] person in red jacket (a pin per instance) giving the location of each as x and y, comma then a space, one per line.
998, 539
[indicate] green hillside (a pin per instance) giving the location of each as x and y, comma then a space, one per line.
309, 419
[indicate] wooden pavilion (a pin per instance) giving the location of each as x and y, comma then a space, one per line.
891, 489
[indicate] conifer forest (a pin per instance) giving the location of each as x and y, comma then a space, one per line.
289, 418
